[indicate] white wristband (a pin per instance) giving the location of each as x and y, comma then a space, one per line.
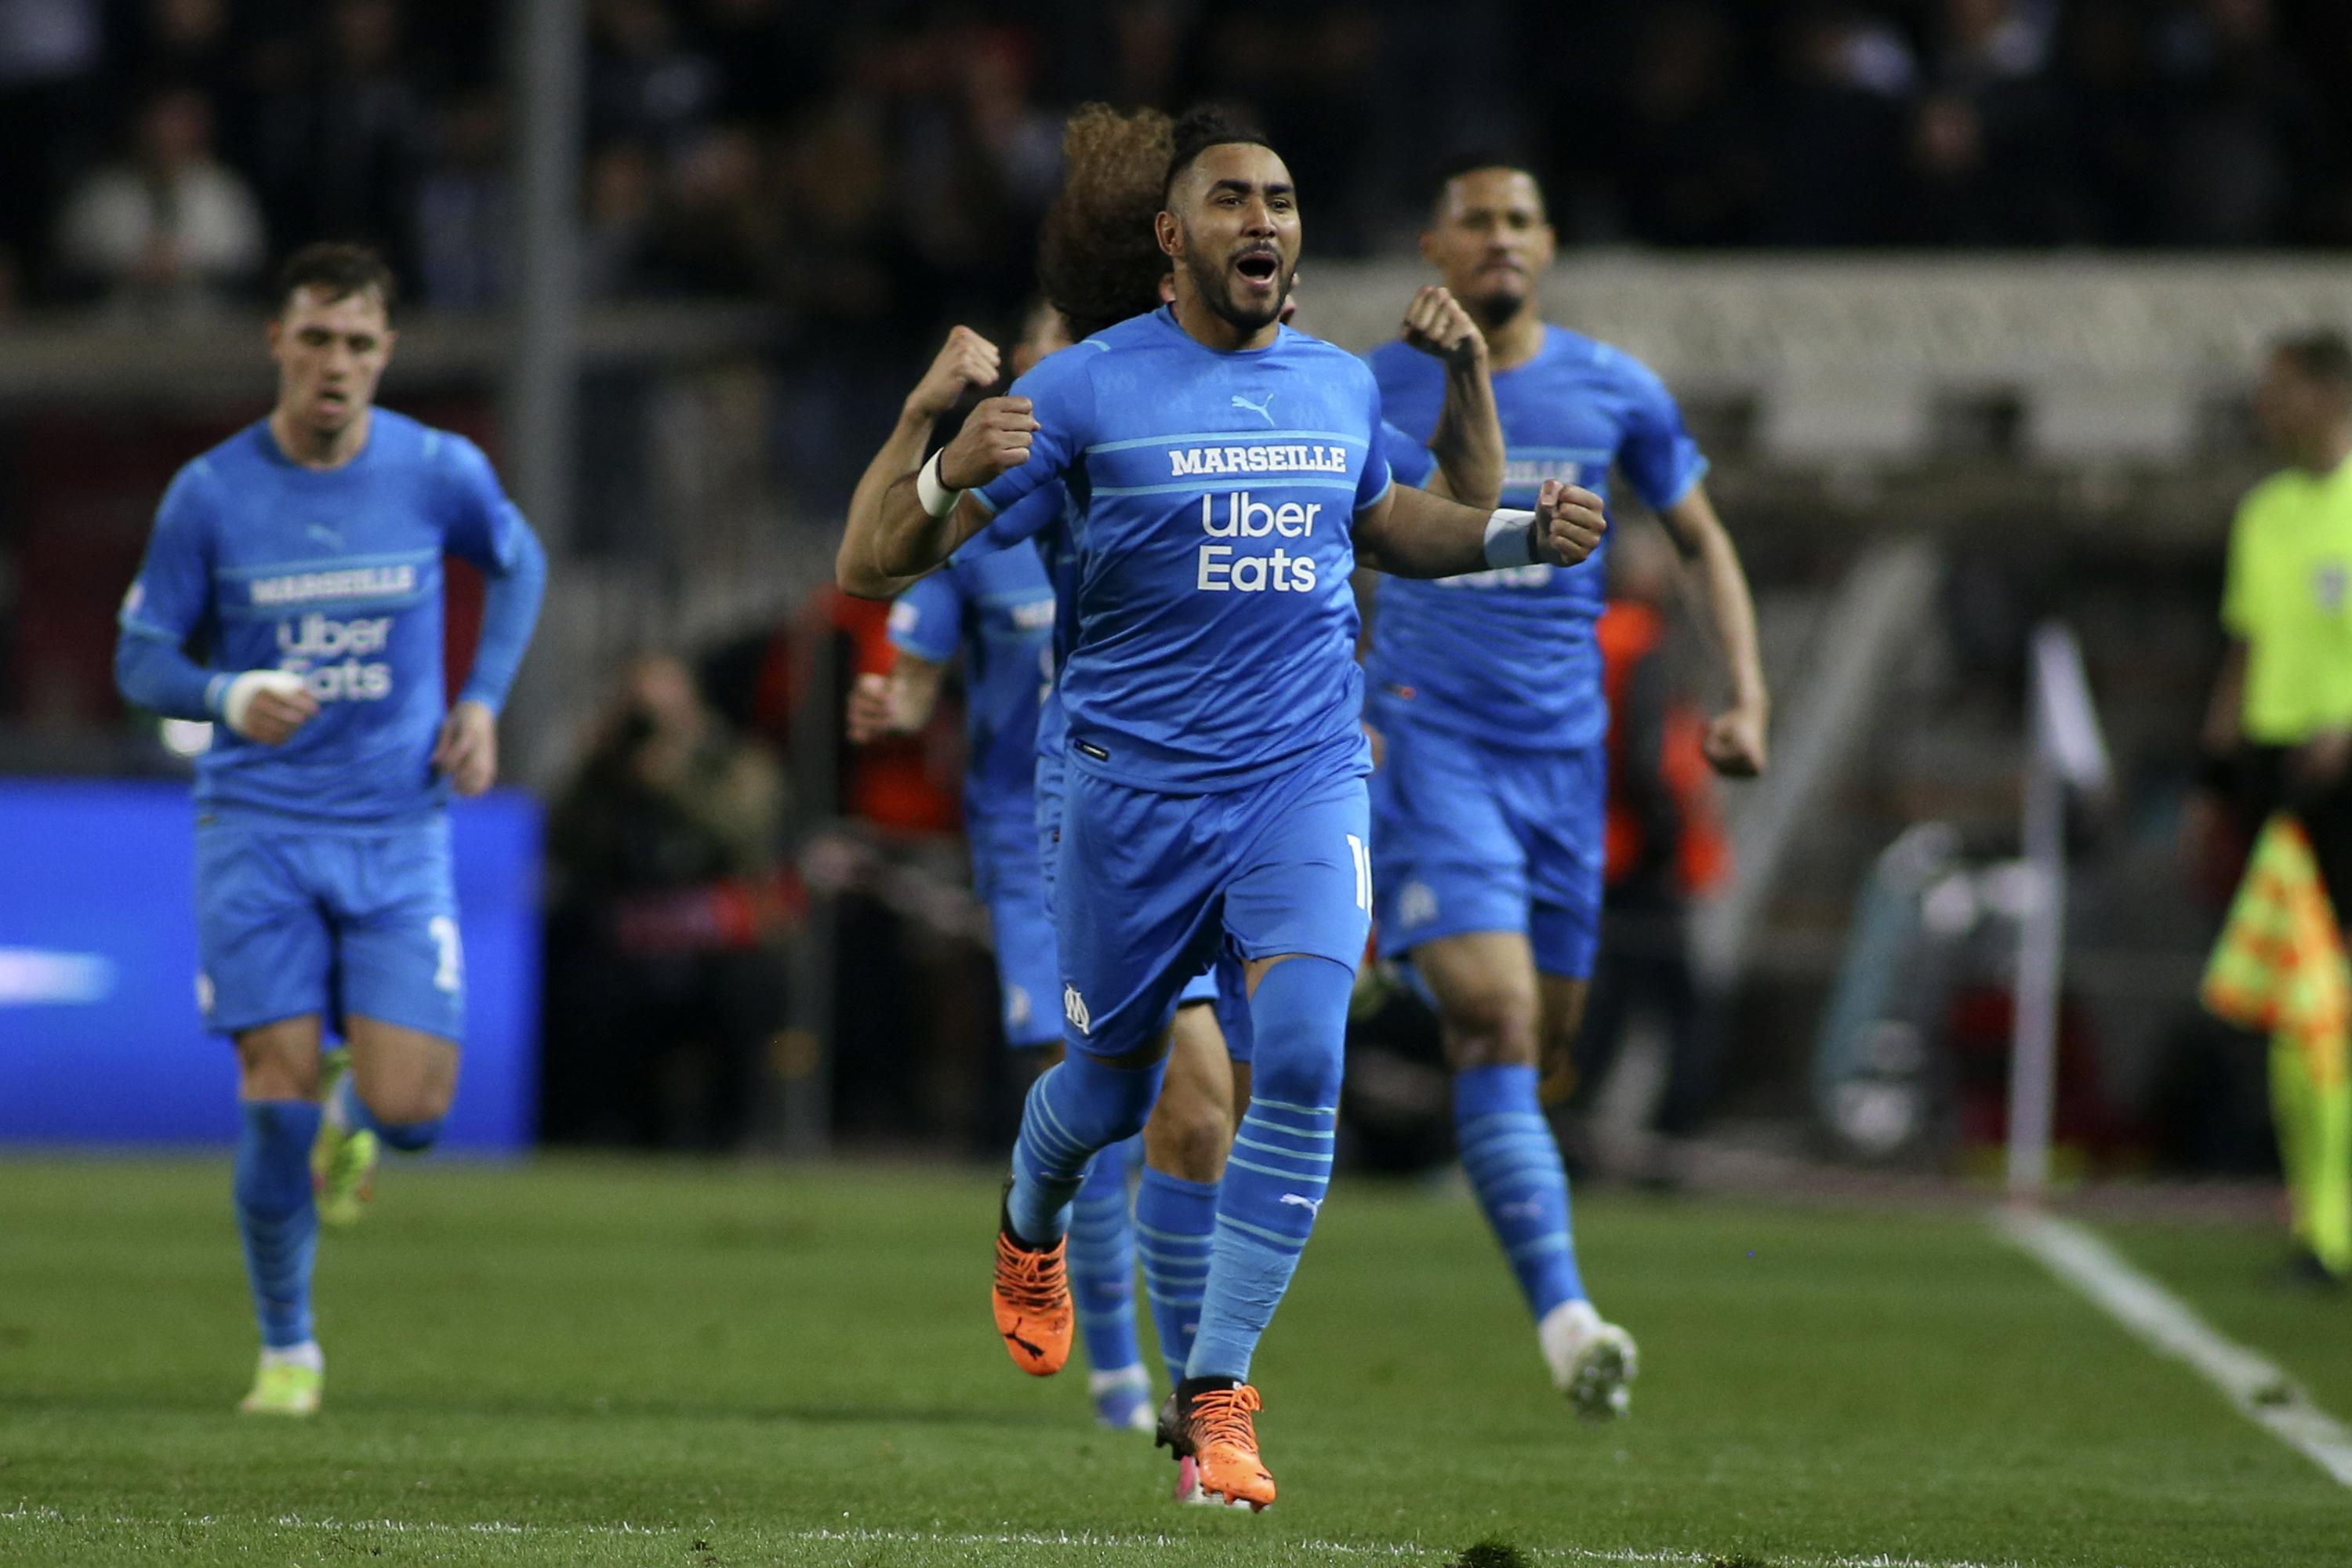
937, 499
1511, 538
238, 700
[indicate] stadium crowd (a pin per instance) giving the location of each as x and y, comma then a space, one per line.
877, 168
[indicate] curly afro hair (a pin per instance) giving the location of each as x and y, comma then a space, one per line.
1098, 259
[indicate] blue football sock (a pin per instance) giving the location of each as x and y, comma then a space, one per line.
274, 1215
1281, 1163
1513, 1162
352, 1112
1077, 1109
1102, 1264
1175, 1221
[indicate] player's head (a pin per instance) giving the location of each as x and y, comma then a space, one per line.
1043, 330
2305, 400
1096, 258
331, 334
1229, 219
1488, 237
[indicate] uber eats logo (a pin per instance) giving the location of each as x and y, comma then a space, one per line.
332, 656
1236, 514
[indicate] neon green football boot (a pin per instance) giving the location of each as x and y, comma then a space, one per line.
343, 1161
284, 1388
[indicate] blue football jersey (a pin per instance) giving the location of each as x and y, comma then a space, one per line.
997, 608
1410, 462
335, 575
1510, 656
1212, 505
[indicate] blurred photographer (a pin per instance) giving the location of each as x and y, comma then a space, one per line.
663, 978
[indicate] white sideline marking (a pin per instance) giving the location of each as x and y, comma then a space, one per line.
2165, 1323
1087, 1538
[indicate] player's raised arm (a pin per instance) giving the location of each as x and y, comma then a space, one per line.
966, 360
1412, 533
1468, 440
926, 514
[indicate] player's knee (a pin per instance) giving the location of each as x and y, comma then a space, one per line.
1299, 1013
1490, 1025
1189, 1135
409, 1105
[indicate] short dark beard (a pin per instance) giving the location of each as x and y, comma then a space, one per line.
1493, 311
1218, 295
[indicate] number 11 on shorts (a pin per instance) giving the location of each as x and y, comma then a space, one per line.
1363, 860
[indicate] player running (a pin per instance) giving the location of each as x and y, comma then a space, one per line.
1487, 812
301, 560
1100, 265
1223, 475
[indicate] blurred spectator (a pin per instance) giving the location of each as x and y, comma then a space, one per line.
465, 210
1987, 160
1686, 163
645, 81
49, 60
1845, 76
664, 980
2244, 144
171, 232
622, 182
341, 156
714, 232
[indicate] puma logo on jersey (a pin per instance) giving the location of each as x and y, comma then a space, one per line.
327, 536
1259, 408
1314, 1206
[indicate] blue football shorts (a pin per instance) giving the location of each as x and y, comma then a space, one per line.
1221, 985
1469, 835
294, 919
1154, 888
1009, 880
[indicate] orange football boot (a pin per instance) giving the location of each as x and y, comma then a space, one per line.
1214, 1429
1032, 1297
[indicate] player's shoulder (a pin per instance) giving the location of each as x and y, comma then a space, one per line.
1572, 351
210, 478
1069, 370
1396, 360
410, 442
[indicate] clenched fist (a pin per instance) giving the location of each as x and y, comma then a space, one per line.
965, 361
995, 439
1436, 323
1570, 522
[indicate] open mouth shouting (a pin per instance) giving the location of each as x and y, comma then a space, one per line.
1258, 273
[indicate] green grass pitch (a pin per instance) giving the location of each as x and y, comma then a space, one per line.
700, 1367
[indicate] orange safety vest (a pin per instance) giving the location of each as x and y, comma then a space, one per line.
1630, 632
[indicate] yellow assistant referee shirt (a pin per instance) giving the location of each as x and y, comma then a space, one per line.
2289, 598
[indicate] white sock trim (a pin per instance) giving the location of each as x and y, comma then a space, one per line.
1101, 1382
307, 1355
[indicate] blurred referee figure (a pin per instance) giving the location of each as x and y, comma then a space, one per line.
2278, 731
292, 595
